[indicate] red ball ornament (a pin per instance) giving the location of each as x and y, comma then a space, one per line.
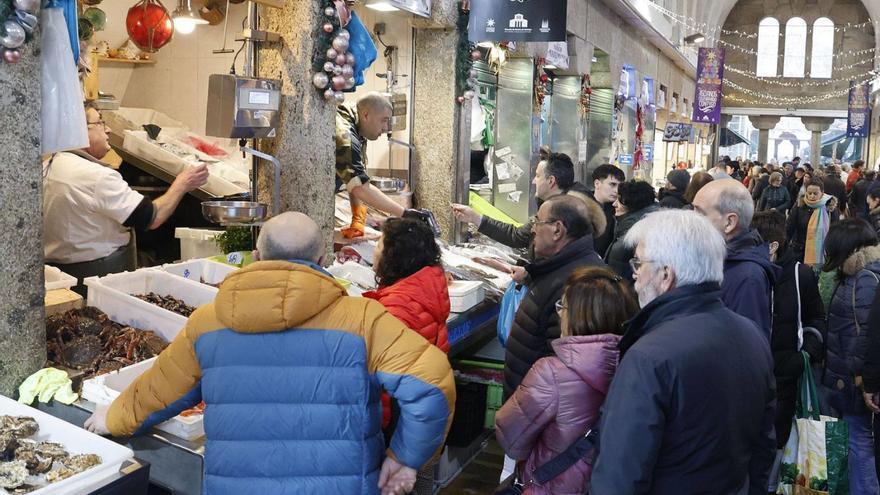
476, 55
460, 100
149, 25
328, 27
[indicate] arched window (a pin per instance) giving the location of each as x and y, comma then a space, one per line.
768, 47
822, 58
795, 48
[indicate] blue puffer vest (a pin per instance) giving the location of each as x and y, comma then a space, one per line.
848, 329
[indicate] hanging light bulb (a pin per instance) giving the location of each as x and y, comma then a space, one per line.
185, 20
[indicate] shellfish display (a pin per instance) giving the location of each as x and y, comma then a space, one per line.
27, 464
167, 302
87, 339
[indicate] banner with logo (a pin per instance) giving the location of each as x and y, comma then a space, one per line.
522, 20
858, 119
710, 76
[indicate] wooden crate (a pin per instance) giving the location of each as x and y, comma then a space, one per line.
60, 300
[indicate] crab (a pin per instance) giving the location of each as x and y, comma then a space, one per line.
13, 474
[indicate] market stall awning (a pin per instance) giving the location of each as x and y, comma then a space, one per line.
843, 143
729, 137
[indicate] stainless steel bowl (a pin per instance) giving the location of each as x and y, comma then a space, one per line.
388, 185
234, 212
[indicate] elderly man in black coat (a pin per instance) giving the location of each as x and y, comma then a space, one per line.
563, 242
691, 407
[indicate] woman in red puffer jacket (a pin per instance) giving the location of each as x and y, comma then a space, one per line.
413, 288
559, 399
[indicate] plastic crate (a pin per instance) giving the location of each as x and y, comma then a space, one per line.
489, 374
465, 294
112, 294
103, 389
56, 279
469, 419
197, 243
203, 271
76, 441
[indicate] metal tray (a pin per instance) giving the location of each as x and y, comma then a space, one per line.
234, 212
386, 184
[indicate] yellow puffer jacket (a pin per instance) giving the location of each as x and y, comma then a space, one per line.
287, 363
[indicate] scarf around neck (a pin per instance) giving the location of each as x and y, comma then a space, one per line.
817, 229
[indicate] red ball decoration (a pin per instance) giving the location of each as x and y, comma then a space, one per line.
475, 55
11, 56
149, 25
328, 27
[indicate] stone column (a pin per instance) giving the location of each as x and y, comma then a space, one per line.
439, 163
304, 144
22, 325
816, 125
763, 123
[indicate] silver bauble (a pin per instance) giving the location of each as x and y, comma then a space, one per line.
329, 94
338, 83
331, 54
328, 66
31, 6
349, 59
347, 71
320, 80
469, 95
349, 83
27, 20
329, 11
340, 44
340, 98
343, 33
337, 70
15, 35
340, 59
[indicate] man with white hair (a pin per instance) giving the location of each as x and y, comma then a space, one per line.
749, 276
692, 403
290, 369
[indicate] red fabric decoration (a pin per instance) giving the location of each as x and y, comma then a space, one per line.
149, 25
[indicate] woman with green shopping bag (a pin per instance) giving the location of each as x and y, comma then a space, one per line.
853, 254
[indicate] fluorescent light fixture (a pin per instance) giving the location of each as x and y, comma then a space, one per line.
594, 60
185, 20
382, 6
694, 38
550, 66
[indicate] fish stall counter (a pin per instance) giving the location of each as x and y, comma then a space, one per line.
175, 449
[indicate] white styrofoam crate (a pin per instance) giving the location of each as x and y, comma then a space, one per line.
76, 441
465, 294
56, 279
197, 243
112, 294
200, 270
103, 389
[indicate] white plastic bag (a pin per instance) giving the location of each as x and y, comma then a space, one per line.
63, 118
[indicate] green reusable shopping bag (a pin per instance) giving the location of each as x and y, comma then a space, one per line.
814, 460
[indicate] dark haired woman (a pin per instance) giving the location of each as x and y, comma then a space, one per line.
559, 399
635, 200
413, 288
808, 224
854, 255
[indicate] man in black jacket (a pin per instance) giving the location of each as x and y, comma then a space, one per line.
834, 186
606, 179
563, 243
691, 406
553, 176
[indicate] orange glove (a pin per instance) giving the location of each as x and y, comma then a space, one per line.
358, 222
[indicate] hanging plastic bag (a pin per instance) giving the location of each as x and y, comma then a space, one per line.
814, 460
63, 118
513, 296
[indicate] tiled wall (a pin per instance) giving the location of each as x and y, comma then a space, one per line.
177, 84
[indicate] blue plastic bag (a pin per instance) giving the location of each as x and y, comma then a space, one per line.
513, 296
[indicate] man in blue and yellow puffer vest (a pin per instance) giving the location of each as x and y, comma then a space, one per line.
290, 370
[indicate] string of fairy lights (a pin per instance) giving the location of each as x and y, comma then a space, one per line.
712, 34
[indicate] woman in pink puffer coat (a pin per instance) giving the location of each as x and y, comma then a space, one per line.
559, 399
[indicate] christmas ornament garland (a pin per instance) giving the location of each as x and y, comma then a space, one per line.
586, 95
542, 83
17, 29
333, 64
466, 80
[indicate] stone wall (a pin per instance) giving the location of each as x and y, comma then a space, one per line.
746, 16
304, 143
22, 329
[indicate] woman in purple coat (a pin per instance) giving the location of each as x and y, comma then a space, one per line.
559, 399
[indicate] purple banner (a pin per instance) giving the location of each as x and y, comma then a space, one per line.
858, 119
710, 76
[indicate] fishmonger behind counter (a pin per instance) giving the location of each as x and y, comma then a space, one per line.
89, 210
